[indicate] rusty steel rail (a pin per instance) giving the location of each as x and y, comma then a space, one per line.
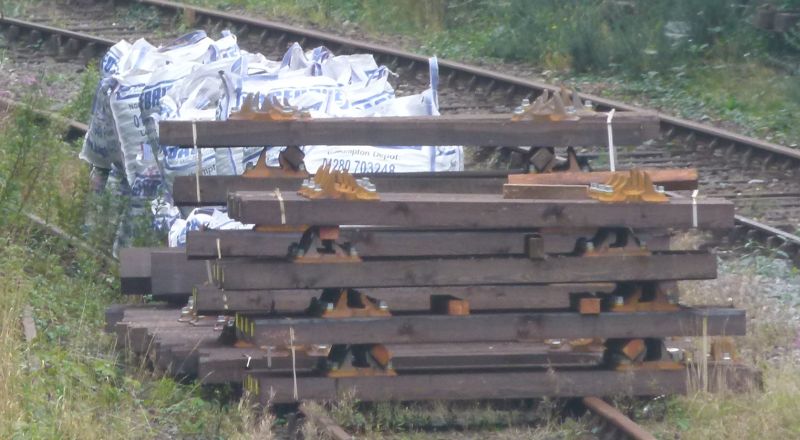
610, 422
62, 44
324, 423
613, 423
479, 79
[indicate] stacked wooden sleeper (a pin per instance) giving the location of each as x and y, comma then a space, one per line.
539, 312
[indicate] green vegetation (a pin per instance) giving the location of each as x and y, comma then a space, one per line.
698, 59
69, 381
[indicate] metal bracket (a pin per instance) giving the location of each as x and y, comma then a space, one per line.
254, 108
564, 105
358, 361
319, 245
544, 160
639, 354
347, 303
611, 241
648, 297
636, 186
291, 165
328, 184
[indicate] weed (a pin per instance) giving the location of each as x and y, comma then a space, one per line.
70, 382
80, 108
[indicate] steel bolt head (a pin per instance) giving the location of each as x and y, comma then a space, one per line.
383, 305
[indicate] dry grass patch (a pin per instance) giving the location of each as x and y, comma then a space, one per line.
769, 289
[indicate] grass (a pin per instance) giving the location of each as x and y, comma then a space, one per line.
769, 289
748, 96
70, 382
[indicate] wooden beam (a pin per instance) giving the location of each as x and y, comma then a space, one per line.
672, 179
630, 128
378, 242
546, 192
690, 265
210, 300
474, 211
496, 327
218, 364
214, 189
134, 271
475, 385
173, 276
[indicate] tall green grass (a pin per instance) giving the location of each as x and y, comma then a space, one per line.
70, 381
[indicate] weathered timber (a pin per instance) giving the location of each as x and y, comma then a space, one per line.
117, 313
474, 211
171, 271
164, 273
672, 179
228, 364
375, 242
476, 385
139, 336
134, 270
140, 324
630, 128
546, 192
209, 299
688, 265
214, 189
177, 352
497, 327
454, 356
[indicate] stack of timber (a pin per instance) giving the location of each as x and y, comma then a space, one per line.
429, 286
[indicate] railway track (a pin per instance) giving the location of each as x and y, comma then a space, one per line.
608, 422
762, 179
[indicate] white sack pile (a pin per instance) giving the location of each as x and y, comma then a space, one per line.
198, 78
